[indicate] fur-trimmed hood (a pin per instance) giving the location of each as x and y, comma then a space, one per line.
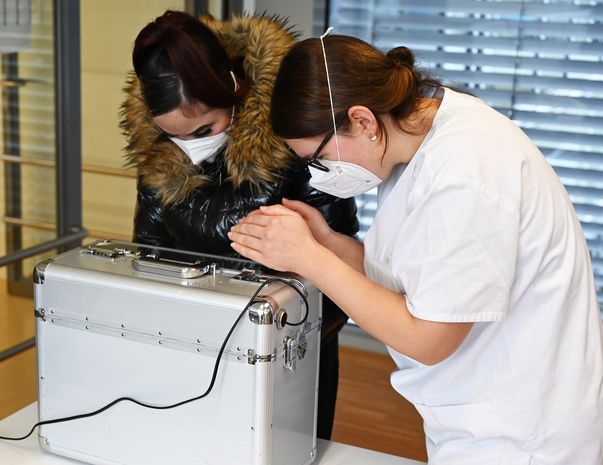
253, 153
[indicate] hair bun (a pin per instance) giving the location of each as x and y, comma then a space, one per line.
401, 56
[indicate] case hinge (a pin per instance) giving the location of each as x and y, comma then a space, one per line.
40, 313
253, 358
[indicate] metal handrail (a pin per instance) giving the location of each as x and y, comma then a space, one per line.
86, 167
30, 223
98, 234
108, 171
6, 83
52, 227
30, 252
27, 160
17, 348
43, 247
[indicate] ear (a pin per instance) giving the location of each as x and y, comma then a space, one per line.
362, 121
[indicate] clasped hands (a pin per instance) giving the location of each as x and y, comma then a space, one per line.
283, 237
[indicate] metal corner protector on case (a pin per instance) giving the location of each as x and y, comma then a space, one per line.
39, 270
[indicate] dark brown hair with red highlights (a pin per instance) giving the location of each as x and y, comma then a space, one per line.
180, 62
360, 74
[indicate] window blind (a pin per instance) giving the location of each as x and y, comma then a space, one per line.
15, 25
538, 62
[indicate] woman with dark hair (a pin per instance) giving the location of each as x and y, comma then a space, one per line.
475, 271
196, 117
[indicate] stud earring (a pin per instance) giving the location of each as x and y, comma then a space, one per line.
373, 137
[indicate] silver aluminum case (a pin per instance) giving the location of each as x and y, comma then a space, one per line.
106, 330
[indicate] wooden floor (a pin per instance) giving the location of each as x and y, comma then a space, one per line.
17, 373
369, 412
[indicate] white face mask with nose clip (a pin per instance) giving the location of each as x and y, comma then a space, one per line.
205, 148
343, 179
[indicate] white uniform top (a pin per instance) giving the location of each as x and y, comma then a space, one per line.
478, 228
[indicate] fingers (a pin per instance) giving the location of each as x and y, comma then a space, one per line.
302, 208
252, 248
256, 217
247, 252
263, 215
256, 256
277, 209
249, 241
273, 240
249, 228
288, 207
252, 223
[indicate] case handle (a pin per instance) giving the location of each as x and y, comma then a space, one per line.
173, 268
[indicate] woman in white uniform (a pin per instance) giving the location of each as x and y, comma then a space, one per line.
475, 272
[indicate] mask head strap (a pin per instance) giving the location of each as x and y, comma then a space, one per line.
324, 54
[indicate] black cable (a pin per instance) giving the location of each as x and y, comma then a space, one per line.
178, 404
288, 283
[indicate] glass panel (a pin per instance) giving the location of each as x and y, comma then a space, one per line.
109, 200
28, 132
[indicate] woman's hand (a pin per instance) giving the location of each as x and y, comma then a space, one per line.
277, 237
321, 231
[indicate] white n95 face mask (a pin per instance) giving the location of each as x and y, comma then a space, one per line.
204, 148
343, 179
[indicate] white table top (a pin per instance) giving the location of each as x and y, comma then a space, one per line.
27, 452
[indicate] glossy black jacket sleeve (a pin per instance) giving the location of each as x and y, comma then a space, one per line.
149, 227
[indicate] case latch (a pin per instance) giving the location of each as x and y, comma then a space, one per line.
257, 277
107, 249
294, 348
251, 276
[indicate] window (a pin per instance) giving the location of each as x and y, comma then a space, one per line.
538, 62
28, 133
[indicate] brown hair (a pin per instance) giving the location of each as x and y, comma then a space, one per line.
359, 74
180, 62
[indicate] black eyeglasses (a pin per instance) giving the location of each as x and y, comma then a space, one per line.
314, 161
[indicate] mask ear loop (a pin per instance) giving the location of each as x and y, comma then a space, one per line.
324, 54
236, 87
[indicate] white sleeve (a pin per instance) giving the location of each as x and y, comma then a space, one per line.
457, 253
